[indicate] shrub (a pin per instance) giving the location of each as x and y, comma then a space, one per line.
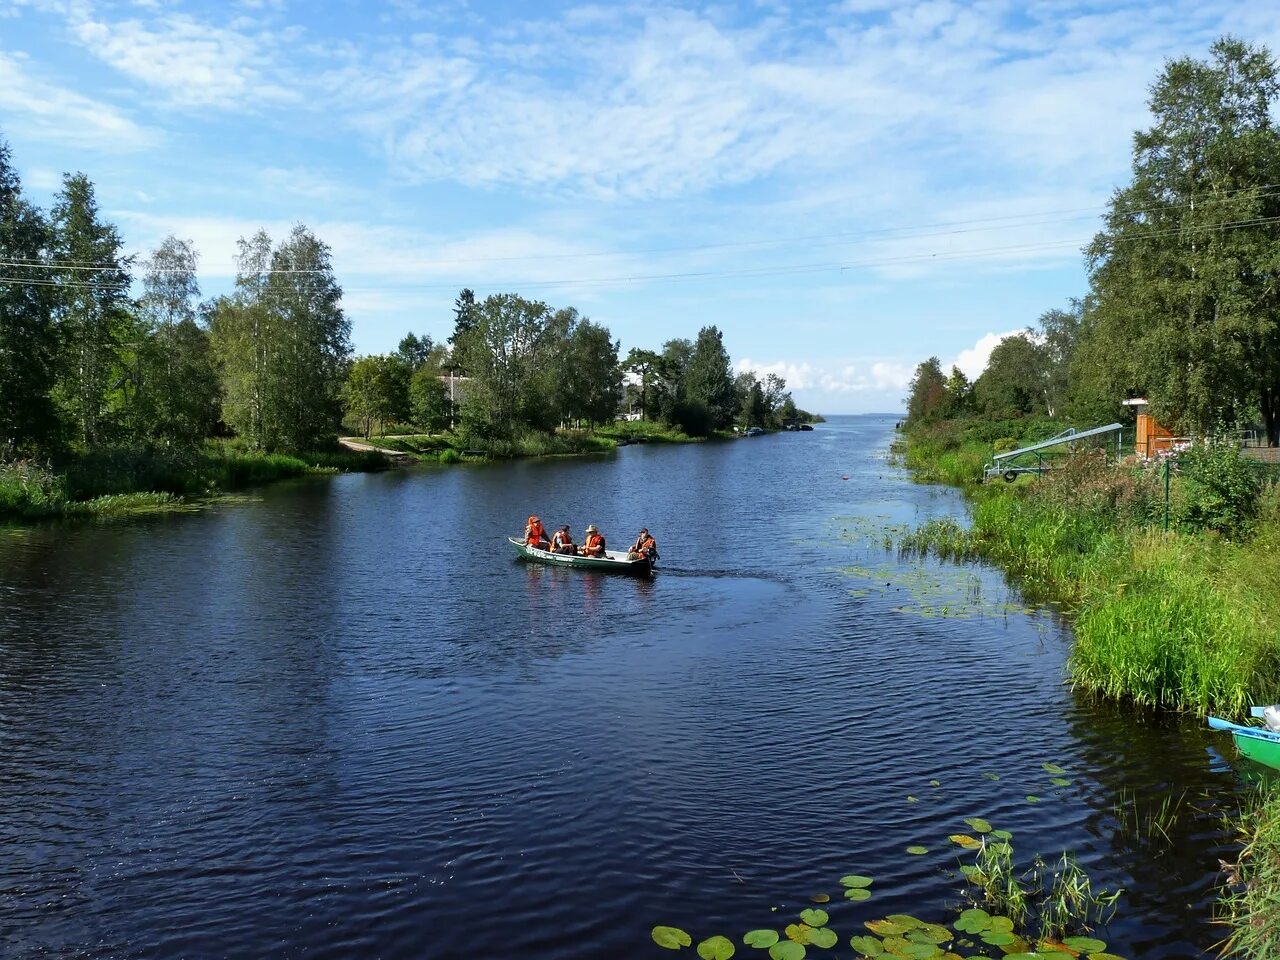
692, 417
29, 489
1219, 488
1005, 443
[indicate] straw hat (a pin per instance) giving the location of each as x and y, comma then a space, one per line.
591, 528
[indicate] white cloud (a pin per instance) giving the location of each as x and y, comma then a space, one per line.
834, 376
45, 111
973, 360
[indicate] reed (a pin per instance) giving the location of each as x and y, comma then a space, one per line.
1250, 904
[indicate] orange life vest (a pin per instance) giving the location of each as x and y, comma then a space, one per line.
595, 543
535, 534
647, 543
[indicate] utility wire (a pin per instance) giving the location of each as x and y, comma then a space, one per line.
920, 231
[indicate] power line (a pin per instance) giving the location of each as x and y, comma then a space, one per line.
1008, 221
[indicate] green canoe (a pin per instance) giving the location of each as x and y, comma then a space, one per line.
612, 559
1259, 745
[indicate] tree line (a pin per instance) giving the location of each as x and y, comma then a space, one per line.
100, 349
1183, 303
85, 364
515, 365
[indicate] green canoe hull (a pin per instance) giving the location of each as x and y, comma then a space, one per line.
1257, 749
614, 563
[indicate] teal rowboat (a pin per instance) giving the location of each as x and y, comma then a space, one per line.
1257, 744
612, 560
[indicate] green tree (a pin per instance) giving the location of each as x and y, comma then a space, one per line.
709, 377
1183, 300
93, 309
429, 405
504, 346
644, 364
28, 337
414, 350
594, 378
959, 394
927, 396
1013, 383
377, 388
283, 342
1059, 336
176, 382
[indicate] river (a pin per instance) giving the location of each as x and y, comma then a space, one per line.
341, 719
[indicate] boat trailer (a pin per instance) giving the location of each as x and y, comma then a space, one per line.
1009, 463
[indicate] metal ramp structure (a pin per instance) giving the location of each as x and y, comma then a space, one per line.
1007, 464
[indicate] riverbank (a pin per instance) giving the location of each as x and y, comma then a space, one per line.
1185, 618
131, 480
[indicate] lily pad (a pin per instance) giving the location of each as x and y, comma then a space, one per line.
979, 825
1104, 956
970, 871
787, 950
856, 880
823, 937
917, 850
797, 932
716, 948
1085, 944
911, 799
1060, 781
760, 938
996, 939
1002, 834
1001, 925
935, 783
965, 841
1032, 798
1052, 768
867, 946
905, 921
936, 933
820, 897
814, 917
991, 776
671, 938
886, 928
973, 920
857, 894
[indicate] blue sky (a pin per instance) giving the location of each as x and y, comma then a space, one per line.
843, 188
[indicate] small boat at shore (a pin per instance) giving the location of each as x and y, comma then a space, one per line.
1257, 743
613, 560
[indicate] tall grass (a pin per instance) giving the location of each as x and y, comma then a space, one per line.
1251, 903
1187, 620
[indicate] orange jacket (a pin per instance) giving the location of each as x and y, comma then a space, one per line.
646, 543
534, 533
595, 543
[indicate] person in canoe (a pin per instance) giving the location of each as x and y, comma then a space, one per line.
534, 534
594, 545
645, 546
562, 541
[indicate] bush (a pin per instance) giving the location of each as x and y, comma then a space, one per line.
1005, 443
1219, 489
29, 489
692, 417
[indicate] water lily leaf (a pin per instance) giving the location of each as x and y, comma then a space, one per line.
1085, 944
856, 880
935, 783
1051, 955
1104, 956
1060, 781
823, 937
979, 825
973, 920
905, 921
922, 951
716, 948
991, 776
857, 894
820, 897
1052, 768
867, 946
996, 938
797, 932
1032, 798
1001, 925
885, 928
965, 841
970, 871
917, 850
760, 938
1002, 834
911, 799
814, 917
936, 933
671, 938
787, 950
896, 946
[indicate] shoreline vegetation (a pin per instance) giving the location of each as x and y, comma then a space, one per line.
123, 391
1166, 559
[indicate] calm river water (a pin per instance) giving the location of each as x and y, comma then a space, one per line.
342, 720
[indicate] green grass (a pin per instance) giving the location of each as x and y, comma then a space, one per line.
128, 480
1185, 620
1251, 901
651, 431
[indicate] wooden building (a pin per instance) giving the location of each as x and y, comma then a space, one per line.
1150, 437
